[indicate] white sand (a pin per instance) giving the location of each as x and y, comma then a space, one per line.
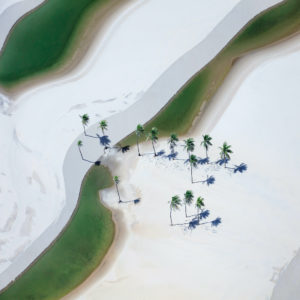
34, 154
11, 11
260, 232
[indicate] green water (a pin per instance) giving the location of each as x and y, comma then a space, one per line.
77, 252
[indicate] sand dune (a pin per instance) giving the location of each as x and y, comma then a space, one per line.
34, 152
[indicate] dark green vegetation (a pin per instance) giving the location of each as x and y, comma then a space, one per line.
41, 39
82, 246
77, 252
269, 27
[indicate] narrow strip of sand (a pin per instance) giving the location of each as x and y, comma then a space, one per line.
154, 99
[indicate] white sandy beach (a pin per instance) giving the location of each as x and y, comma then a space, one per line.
35, 204
260, 230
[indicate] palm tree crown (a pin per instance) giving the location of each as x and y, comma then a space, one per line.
153, 134
225, 151
139, 130
103, 125
175, 202
189, 145
188, 197
116, 179
206, 142
172, 140
200, 202
79, 143
193, 160
85, 119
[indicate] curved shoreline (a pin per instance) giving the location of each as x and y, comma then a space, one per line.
287, 285
19, 10
93, 23
153, 108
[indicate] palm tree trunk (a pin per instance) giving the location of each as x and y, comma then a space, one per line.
102, 131
80, 153
84, 129
185, 209
137, 144
153, 148
118, 193
171, 216
206, 152
191, 167
198, 214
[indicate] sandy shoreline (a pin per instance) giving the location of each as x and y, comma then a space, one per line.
84, 40
120, 278
11, 12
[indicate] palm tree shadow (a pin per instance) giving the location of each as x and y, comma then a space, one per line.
241, 168
202, 216
203, 161
104, 140
135, 201
125, 149
160, 153
96, 163
209, 180
91, 136
171, 156
216, 222
222, 161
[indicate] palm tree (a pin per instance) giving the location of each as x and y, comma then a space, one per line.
103, 125
174, 205
117, 181
85, 120
225, 151
173, 141
206, 142
153, 136
193, 163
139, 132
189, 145
199, 205
79, 144
188, 199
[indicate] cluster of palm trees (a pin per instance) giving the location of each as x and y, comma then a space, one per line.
173, 141
188, 199
189, 145
85, 119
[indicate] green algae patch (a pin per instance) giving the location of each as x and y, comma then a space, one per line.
41, 39
76, 253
